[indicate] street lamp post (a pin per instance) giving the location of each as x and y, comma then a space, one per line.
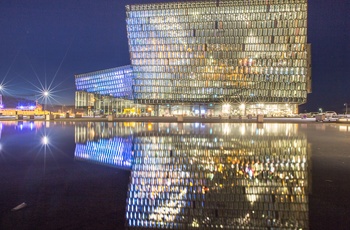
1, 94
346, 108
46, 95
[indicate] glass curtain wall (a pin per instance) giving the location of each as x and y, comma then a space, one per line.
106, 91
235, 52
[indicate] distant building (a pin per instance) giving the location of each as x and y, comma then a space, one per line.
12, 106
219, 57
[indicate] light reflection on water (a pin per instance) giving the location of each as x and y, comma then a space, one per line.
206, 175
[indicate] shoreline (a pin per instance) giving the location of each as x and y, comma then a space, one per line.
174, 119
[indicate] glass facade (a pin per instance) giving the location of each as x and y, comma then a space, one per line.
116, 82
106, 91
233, 52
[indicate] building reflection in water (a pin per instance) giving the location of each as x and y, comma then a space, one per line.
104, 143
211, 175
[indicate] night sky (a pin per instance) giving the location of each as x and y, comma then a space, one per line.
43, 44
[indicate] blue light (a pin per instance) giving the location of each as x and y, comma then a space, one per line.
105, 84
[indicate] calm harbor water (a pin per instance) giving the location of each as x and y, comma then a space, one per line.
109, 175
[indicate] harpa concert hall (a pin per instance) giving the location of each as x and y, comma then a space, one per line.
216, 57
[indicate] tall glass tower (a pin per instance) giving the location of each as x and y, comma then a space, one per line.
246, 55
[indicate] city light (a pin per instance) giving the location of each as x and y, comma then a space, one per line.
45, 140
4, 89
226, 108
242, 106
46, 93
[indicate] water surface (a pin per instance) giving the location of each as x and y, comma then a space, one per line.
99, 175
